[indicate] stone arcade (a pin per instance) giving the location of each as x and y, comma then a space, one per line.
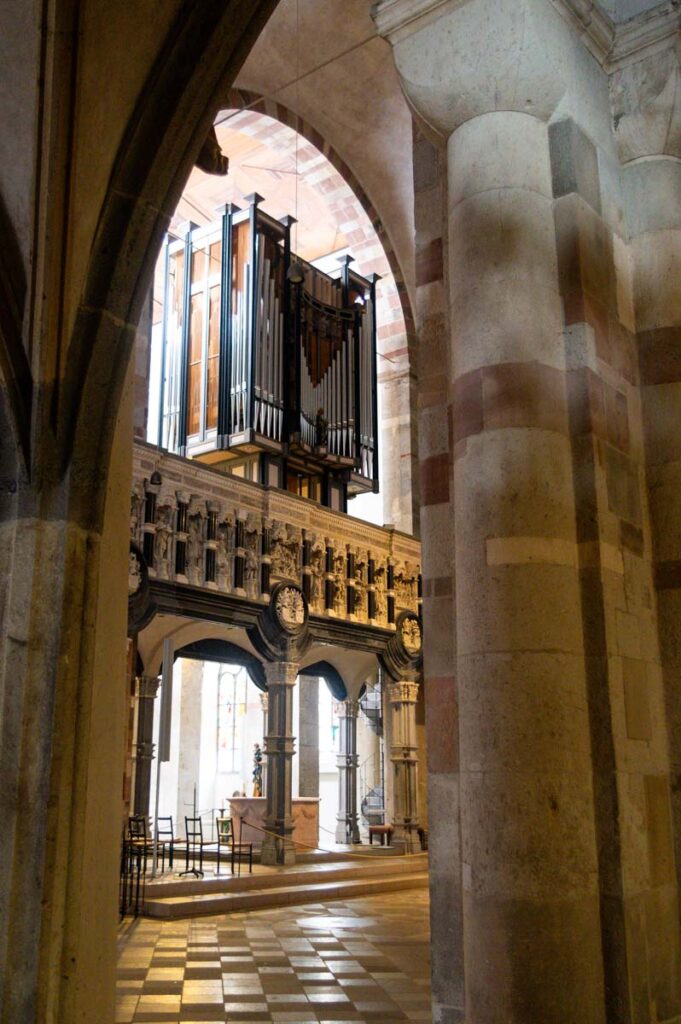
521, 163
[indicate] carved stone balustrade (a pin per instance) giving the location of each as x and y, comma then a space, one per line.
197, 527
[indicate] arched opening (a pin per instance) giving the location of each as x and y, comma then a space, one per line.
294, 175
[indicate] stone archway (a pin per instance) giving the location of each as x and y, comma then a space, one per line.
64, 528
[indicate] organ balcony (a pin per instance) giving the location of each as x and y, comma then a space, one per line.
262, 375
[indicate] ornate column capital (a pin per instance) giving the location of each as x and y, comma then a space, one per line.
403, 692
147, 686
281, 673
458, 59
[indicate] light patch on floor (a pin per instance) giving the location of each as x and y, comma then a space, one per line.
364, 959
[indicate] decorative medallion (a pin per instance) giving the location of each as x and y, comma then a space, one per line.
289, 608
410, 633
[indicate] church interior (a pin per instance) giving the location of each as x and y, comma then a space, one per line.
340, 492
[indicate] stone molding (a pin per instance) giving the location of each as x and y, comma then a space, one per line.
395, 18
612, 45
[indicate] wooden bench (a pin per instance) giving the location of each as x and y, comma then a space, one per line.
384, 832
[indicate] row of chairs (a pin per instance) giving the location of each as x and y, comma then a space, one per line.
194, 842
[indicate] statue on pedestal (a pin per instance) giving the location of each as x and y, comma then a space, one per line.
257, 770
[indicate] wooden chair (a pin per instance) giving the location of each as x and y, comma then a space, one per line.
194, 832
225, 836
140, 840
166, 835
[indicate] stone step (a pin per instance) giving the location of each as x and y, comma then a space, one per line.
310, 873
282, 895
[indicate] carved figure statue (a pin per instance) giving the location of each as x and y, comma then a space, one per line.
195, 550
251, 573
379, 578
164, 529
317, 556
257, 770
136, 511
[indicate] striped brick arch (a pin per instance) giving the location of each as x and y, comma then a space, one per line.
355, 214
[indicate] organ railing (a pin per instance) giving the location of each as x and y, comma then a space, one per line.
200, 527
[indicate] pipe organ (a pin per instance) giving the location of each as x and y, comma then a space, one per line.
264, 376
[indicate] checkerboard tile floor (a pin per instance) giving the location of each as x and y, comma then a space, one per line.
364, 959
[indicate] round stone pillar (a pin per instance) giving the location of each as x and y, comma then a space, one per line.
401, 698
277, 847
529, 871
147, 689
347, 827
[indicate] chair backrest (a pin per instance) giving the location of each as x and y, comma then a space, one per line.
193, 830
165, 828
224, 827
137, 827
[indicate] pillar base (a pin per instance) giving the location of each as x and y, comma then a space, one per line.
277, 851
406, 838
347, 831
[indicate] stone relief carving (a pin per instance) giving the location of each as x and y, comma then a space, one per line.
411, 636
290, 607
406, 586
285, 550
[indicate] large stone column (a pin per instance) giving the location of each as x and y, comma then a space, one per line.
649, 141
401, 734
147, 688
308, 741
347, 827
279, 748
520, 833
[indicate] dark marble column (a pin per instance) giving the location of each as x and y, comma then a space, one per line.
147, 688
277, 847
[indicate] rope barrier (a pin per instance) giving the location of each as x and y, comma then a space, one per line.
294, 843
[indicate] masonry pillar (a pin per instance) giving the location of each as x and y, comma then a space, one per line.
308, 742
279, 748
347, 827
645, 105
147, 688
525, 936
404, 817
